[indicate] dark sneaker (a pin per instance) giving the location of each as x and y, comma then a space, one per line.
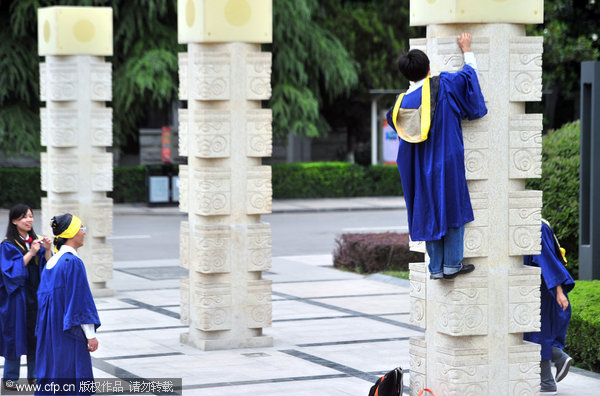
562, 369
548, 391
466, 268
436, 276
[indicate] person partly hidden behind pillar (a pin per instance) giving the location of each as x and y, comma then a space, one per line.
555, 309
427, 118
67, 315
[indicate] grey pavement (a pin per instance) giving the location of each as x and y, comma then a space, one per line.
334, 332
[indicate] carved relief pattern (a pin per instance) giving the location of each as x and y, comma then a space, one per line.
212, 306
211, 131
59, 81
524, 299
211, 80
259, 133
102, 127
258, 75
259, 193
526, 68
184, 315
183, 75
476, 242
418, 280
525, 214
476, 164
212, 249
101, 221
458, 320
184, 182
183, 132
418, 355
102, 172
525, 146
43, 82
101, 82
258, 308
524, 369
60, 127
102, 262
418, 312
184, 245
63, 174
211, 191
259, 247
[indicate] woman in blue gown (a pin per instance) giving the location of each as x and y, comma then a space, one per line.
67, 316
22, 256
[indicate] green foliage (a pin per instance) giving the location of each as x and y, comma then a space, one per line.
584, 328
310, 66
20, 185
129, 184
560, 185
570, 36
369, 253
144, 66
334, 179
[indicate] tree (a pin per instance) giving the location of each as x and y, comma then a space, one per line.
144, 67
570, 31
310, 66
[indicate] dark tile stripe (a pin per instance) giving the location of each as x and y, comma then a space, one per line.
264, 381
150, 307
332, 365
353, 342
350, 312
334, 317
149, 355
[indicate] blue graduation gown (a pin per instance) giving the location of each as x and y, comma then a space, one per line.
64, 303
13, 321
14, 329
555, 321
433, 172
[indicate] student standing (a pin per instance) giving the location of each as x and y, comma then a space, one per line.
67, 315
22, 256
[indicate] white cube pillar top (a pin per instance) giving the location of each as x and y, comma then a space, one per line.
76, 128
225, 132
474, 325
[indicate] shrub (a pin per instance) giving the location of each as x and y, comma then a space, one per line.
368, 253
20, 185
129, 184
584, 329
560, 184
334, 179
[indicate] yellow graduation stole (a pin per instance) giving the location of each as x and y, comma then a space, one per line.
412, 125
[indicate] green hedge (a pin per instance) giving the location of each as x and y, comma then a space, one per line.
584, 329
560, 184
20, 185
301, 180
334, 179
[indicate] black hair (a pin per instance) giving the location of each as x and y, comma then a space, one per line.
59, 224
15, 213
414, 65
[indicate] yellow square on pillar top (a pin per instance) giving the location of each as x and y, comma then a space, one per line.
201, 21
428, 12
75, 31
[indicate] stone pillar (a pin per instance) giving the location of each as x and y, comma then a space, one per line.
473, 343
76, 128
225, 132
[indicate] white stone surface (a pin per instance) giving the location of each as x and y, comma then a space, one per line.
224, 189
76, 170
474, 324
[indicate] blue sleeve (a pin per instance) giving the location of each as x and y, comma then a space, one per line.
80, 307
463, 87
14, 273
553, 270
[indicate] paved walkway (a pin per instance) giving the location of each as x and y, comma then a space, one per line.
334, 332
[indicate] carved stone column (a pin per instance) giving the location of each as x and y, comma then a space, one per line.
473, 343
225, 132
76, 128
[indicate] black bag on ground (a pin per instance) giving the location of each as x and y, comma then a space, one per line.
388, 385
